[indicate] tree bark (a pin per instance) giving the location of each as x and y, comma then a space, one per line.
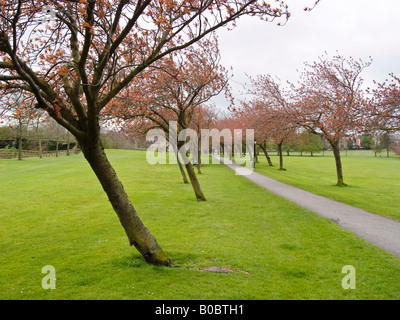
137, 233
199, 162
338, 161
192, 175
255, 154
195, 182
199, 157
40, 147
39, 140
67, 143
20, 140
57, 145
264, 149
184, 178
280, 156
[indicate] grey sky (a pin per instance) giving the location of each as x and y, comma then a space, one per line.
357, 28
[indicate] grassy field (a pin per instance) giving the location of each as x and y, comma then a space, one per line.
373, 182
54, 212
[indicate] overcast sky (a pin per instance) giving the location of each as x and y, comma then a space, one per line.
356, 28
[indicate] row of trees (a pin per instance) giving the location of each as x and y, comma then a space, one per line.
328, 101
140, 65
176, 89
35, 134
85, 58
326, 106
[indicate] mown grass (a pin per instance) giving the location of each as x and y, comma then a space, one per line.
373, 183
54, 212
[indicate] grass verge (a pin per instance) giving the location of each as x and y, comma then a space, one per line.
54, 212
373, 183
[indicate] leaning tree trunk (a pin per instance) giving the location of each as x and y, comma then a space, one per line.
264, 149
338, 161
192, 175
184, 178
137, 233
195, 182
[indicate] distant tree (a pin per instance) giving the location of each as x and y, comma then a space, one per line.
6, 132
176, 90
41, 118
245, 116
291, 144
367, 141
204, 117
386, 141
384, 117
273, 111
19, 114
55, 134
330, 101
395, 146
385, 106
308, 142
350, 143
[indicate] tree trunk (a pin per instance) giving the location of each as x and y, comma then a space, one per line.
255, 154
77, 145
184, 178
192, 175
339, 171
199, 155
264, 149
280, 157
195, 182
199, 162
57, 146
137, 233
20, 140
40, 149
39, 140
67, 143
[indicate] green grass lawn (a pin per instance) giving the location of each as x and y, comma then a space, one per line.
373, 182
54, 212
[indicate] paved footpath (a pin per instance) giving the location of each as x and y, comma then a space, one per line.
380, 231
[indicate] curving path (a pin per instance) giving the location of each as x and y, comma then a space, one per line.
378, 230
